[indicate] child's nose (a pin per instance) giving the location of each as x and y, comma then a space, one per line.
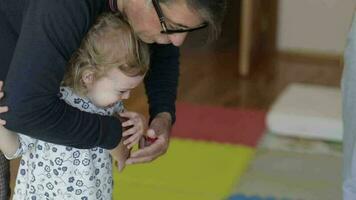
126, 95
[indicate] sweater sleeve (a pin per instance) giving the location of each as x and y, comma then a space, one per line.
50, 32
161, 81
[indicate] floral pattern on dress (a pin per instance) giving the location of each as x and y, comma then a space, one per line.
51, 171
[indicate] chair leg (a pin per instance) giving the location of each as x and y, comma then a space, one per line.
245, 37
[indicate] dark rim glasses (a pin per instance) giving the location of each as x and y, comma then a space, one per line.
162, 21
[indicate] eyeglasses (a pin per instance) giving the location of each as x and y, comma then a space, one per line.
168, 31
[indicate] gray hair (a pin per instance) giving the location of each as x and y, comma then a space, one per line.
212, 11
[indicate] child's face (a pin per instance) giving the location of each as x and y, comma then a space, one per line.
111, 88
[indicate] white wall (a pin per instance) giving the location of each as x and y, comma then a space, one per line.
314, 26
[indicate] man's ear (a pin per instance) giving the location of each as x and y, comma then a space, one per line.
88, 77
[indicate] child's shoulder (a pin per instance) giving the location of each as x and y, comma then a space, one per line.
82, 103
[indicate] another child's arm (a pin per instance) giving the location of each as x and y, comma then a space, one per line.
14, 145
9, 142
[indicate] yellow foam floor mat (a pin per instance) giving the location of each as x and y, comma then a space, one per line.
191, 170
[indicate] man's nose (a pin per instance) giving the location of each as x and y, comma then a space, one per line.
177, 39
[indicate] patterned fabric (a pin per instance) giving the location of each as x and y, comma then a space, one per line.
4, 178
51, 171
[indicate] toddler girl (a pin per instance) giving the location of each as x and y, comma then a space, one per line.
110, 62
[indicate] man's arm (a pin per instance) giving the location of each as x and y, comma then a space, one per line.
161, 87
50, 33
162, 80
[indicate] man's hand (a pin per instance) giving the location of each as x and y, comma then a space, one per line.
159, 132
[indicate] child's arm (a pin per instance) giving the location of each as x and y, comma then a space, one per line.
14, 145
134, 125
9, 142
120, 154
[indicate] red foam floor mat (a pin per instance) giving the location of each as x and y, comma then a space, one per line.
218, 124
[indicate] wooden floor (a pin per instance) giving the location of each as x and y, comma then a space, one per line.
210, 77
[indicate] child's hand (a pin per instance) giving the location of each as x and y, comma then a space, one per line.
136, 125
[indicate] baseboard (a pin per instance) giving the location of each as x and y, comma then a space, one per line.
311, 56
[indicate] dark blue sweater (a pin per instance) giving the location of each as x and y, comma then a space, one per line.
37, 38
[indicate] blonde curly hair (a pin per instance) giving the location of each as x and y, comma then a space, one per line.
109, 43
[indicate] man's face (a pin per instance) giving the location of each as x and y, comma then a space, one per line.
145, 22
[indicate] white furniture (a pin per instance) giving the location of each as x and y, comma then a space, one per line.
307, 111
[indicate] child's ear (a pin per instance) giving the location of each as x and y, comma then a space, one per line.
88, 77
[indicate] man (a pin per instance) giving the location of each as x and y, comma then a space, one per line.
37, 38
